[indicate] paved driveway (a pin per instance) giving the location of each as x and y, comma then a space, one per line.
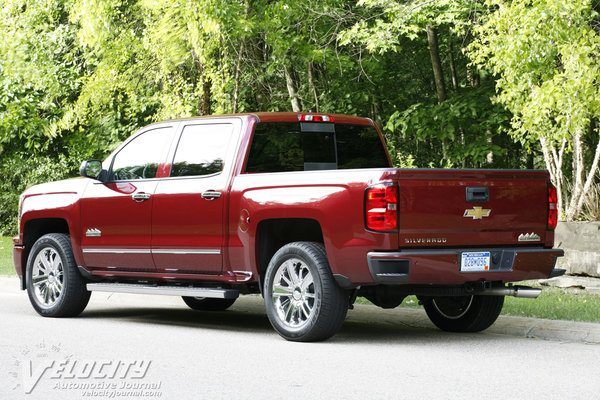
155, 347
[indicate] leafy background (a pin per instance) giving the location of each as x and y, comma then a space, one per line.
518, 84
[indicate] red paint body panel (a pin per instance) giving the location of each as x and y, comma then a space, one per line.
176, 235
333, 198
433, 203
124, 223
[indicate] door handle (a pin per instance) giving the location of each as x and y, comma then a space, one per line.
140, 196
211, 195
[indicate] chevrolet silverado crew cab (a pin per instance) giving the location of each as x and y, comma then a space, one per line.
305, 209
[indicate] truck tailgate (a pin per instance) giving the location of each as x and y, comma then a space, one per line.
472, 208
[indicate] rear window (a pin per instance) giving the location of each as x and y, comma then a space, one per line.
307, 146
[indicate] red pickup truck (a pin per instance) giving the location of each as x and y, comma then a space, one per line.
305, 209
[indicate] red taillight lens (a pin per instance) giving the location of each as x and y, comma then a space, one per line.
552, 207
381, 207
315, 118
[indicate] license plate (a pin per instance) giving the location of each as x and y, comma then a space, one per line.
475, 261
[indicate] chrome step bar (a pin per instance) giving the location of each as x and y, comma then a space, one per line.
164, 290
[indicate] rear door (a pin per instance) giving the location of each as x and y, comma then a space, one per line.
189, 205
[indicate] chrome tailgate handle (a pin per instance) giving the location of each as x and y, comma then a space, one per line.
141, 196
211, 195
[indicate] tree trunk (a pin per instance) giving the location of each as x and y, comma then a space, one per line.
530, 160
554, 161
312, 86
452, 64
204, 107
581, 189
462, 141
377, 111
236, 85
489, 158
291, 87
238, 65
438, 76
436, 63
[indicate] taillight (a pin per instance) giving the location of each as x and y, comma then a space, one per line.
315, 118
381, 207
552, 207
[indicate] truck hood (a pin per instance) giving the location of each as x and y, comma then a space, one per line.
66, 186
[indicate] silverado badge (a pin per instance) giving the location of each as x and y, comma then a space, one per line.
529, 237
477, 213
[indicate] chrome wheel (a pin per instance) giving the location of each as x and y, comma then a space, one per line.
47, 276
302, 299
294, 293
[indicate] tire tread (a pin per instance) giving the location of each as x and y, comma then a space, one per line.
334, 301
482, 313
75, 296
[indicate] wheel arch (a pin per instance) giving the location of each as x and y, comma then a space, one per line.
35, 229
272, 234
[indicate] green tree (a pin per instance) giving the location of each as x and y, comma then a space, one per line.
545, 56
455, 121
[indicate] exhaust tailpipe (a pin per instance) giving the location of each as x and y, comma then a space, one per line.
514, 291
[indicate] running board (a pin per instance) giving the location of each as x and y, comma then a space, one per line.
164, 290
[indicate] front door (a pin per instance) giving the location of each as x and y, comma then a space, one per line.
116, 215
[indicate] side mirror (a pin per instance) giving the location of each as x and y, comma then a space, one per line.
91, 169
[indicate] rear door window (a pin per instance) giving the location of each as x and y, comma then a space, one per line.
201, 150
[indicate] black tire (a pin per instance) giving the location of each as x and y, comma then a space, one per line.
309, 306
464, 314
207, 303
59, 289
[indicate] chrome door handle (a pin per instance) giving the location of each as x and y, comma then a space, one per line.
211, 195
140, 196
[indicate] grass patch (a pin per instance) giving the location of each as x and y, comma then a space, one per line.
6, 260
553, 303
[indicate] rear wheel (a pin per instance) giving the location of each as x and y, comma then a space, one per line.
207, 303
303, 301
464, 313
54, 285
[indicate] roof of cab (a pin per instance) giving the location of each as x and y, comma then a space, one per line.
283, 117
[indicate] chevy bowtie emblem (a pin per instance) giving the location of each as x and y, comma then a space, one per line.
477, 213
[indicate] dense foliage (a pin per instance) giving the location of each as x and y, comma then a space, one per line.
464, 83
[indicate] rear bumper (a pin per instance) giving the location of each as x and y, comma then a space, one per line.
442, 267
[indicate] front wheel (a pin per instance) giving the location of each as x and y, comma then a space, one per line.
464, 313
303, 301
54, 285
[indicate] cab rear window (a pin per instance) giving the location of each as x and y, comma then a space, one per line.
308, 146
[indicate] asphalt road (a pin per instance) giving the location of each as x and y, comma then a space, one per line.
139, 346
